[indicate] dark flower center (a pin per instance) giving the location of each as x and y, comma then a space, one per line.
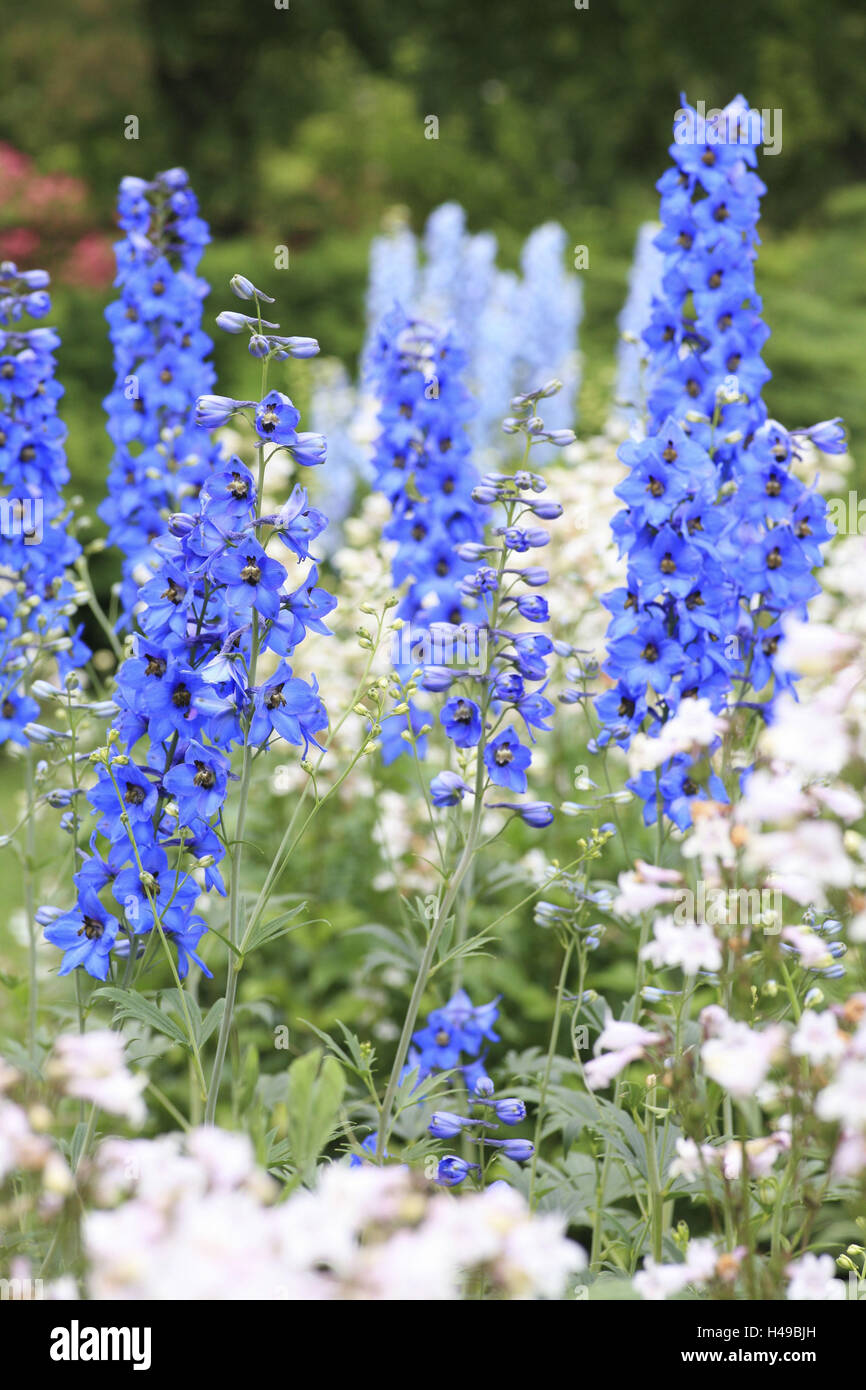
204, 776
134, 796
650, 652
251, 573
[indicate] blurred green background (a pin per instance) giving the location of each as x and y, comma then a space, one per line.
301, 126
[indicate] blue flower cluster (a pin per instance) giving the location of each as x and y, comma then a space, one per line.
454, 1036
720, 534
445, 1124
423, 466
161, 459
491, 698
209, 673
36, 547
516, 331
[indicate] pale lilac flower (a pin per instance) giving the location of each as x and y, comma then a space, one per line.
740, 1057
817, 1037
691, 947
812, 1278
92, 1066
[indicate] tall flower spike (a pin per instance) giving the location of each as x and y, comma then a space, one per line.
422, 464
721, 536
196, 689
161, 457
36, 549
499, 698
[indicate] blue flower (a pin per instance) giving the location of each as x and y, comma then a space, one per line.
447, 789
188, 694
506, 760
85, 935
461, 720
277, 418
452, 1170
199, 783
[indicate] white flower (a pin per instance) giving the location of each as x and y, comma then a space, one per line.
740, 1057
692, 1161
91, 1066
810, 947
636, 895
761, 1154
658, 1281
803, 860
812, 1279
694, 727
691, 947
792, 736
814, 649
772, 794
625, 1042
845, 1097
619, 1033
818, 1038
849, 1160
600, 1071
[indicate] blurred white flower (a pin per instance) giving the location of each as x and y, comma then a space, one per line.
817, 1037
92, 1066
812, 1278
691, 947
740, 1057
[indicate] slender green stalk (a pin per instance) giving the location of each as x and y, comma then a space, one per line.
30, 907
427, 959
548, 1065
446, 904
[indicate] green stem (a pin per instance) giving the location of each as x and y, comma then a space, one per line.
548, 1066
427, 962
30, 908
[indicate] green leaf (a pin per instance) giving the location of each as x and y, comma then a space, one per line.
211, 1021
315, 1095
263, 932
127, 1004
